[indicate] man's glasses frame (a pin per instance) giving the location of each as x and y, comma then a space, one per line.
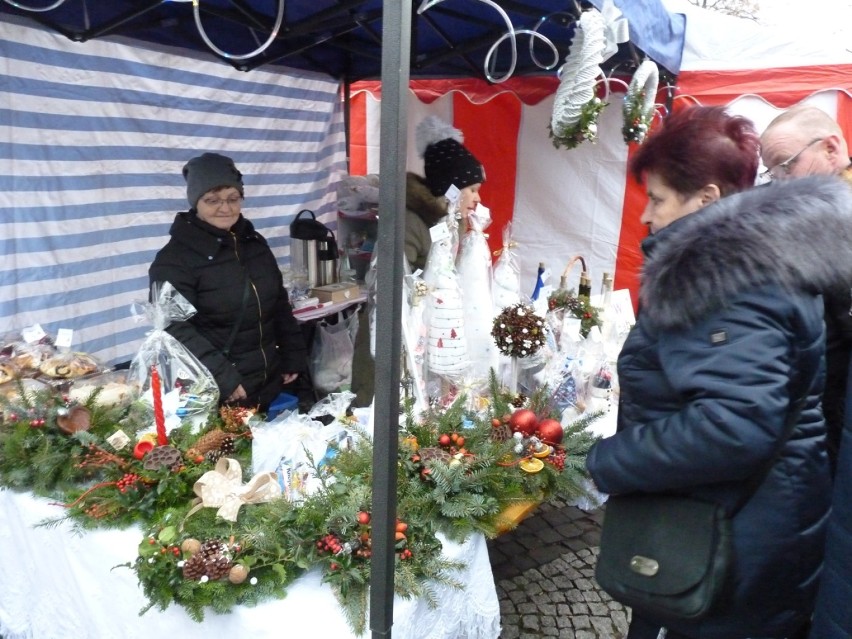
782, 169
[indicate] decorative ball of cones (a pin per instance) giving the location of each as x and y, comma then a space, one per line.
518, 331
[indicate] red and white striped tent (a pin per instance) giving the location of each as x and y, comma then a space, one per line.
581, 201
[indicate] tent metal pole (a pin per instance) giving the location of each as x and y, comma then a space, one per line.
396, 58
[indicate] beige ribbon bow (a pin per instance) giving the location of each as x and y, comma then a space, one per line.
222, 488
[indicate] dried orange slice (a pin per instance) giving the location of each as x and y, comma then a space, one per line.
544, 452
531, 465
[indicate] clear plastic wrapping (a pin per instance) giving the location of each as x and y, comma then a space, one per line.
188, 387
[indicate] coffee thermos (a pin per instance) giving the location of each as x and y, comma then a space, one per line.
313, 249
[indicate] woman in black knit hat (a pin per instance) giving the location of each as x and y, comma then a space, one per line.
446, 163
244, 331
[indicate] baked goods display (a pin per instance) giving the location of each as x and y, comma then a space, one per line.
69, 365
8, 372
109, 389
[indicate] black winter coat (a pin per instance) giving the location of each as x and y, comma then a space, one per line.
730, 335
211, 267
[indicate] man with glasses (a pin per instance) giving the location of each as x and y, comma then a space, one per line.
803, 141
807, 141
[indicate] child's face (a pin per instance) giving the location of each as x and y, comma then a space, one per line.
469, 198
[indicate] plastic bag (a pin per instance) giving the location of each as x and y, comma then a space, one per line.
188, 387
331, 355
473, 264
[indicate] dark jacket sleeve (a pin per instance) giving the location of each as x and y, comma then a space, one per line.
292, 348
734, 400
167, 268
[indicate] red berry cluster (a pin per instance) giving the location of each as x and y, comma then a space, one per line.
557, 458
329, 543
127, 482
452, 442
174, 550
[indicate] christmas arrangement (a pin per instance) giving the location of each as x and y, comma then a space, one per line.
216, 537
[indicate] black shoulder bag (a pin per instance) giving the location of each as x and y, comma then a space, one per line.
670, 556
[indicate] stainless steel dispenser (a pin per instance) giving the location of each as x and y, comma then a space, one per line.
313, 249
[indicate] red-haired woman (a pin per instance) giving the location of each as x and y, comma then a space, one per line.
729, 338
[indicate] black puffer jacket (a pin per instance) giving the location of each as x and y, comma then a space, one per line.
211, 267
730, 334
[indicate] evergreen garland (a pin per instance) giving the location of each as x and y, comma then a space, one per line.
454, 478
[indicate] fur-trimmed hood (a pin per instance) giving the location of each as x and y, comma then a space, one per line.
796, 233
419, 200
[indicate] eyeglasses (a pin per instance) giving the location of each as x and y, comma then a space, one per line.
216, 202
782, 170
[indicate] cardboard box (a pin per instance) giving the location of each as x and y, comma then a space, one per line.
339, 292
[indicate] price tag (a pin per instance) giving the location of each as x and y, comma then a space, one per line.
64, 337
439, 232
33, 334
453, 194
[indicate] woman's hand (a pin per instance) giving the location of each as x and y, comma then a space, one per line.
289, 378
238, 394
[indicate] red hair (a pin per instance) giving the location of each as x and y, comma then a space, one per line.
699, 145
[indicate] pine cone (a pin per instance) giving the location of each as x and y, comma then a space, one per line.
214, 455
228, 445
519, 400
210, 561
211, 440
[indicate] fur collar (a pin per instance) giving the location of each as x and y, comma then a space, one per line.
797, 234
419, 200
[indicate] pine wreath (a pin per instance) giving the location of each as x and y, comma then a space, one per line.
638, 108
518, 331
578, 306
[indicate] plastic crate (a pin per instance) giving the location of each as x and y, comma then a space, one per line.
284, 401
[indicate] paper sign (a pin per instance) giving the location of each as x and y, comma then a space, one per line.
64, 337
439, 232
32, 334
453, 194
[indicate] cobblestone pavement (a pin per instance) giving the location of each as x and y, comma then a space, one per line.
544, 572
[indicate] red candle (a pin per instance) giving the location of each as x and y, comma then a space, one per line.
159, 417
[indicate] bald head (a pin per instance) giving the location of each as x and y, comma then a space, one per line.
803, 141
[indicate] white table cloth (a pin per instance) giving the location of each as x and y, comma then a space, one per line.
56, 584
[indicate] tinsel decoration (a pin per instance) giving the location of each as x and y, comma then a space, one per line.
518, 331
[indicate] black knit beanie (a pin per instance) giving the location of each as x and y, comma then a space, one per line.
209, 171
446, 161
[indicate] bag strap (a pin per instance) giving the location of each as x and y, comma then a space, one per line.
227, 348
757, 479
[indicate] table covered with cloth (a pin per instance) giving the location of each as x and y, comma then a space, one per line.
57, 583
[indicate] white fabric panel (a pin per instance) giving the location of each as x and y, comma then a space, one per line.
94, 139
719, 42
568, 201
417, 111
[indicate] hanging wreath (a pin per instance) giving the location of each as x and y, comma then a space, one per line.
576, 107
518, 331
639, 102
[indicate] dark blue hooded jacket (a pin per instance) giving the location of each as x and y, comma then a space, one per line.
730, 334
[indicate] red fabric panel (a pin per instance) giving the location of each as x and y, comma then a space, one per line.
628, 259
530, 90
844, 115
358, 134
781, 87
496, 148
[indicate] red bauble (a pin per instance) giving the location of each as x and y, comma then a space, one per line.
550, 431
524, 421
